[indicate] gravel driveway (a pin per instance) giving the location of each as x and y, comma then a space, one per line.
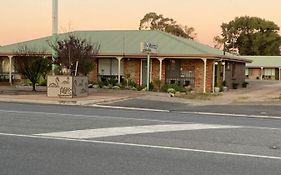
258, 91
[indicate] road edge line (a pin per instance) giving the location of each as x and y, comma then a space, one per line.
146, 146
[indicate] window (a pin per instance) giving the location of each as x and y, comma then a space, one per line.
269, 72
109, 67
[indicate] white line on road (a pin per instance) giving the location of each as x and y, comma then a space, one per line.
50, 114
148, 146
130, 130
232, 115
130, 108
187, 112
54, 115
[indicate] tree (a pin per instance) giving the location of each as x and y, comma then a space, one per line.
32, 65
250, 35
72, 50
153, 21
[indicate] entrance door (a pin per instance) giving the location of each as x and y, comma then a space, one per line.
277, 74
144, 71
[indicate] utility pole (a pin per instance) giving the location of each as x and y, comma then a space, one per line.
148, 71
54, 30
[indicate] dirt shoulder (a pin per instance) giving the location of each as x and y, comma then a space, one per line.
258, 92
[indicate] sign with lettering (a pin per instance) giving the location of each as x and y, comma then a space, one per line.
67, 86
148, 47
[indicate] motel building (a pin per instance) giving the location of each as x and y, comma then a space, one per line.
177, 60
263, 68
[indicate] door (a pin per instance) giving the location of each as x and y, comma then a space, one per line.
143, 72
276, 73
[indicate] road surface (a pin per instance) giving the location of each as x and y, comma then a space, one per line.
49, 139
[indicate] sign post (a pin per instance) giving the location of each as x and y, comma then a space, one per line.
148, 48
148, 72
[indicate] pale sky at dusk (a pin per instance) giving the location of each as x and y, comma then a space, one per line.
29, 19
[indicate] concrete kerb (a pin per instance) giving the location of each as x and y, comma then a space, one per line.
24, 94
64, 102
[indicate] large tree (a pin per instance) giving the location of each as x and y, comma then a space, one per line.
153, 21
32, 64
251, 36
73, 49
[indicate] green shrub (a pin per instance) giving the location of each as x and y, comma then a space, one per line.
131, 83
171, 90
151, 86
112, 81
173, 86
43, 83
101, 84
140, 87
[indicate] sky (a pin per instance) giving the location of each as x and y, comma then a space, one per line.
23, 20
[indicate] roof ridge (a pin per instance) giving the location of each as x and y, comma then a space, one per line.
113, 30
180, 39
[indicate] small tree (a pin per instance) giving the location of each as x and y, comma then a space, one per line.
72, 50
32, 65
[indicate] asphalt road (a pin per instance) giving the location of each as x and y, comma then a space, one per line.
46, 139
242, 108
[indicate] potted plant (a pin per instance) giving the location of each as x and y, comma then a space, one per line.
74, 57
245, 84
224, 86
235, 85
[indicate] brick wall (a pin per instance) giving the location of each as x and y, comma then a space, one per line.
234, 73
133, 68
254, 73
209, 83
156, 69
199, 75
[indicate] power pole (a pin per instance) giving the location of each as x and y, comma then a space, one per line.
55, 23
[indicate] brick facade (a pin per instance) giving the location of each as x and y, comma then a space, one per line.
132, 67
234, 72
155, 68
255, 73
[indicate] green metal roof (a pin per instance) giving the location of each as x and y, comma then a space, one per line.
264, 61
127, 42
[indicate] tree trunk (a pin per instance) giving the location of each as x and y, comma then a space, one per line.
33, 87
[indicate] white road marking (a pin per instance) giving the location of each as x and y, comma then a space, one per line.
186, 112
50, 114
232, 115
148, 146
120, 131
54, 115
129, 108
